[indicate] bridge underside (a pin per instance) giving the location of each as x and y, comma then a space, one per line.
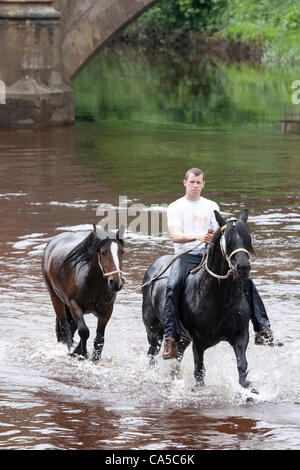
88, 24
44, 45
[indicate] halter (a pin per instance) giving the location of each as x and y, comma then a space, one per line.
111, 273
227, 257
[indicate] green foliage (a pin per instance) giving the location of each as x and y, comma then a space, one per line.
131, 87
272, 24
187, 14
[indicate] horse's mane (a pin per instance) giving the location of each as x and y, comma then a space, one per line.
85, 250
205, 279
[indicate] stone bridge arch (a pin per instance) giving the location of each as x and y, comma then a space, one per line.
88, 24
44, 45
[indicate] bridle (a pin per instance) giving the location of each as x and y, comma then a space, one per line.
227, 257
104, 274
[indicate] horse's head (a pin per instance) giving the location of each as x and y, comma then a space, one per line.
236, 243
110, 256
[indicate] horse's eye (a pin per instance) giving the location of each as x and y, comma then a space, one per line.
103, 252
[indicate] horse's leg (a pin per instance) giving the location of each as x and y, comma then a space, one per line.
240, 346
199, 371
155, 341
182, 344
63, 330
242, 364
71, 321
154, 329
99, 339
83, 330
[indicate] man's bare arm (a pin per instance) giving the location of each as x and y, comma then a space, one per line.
177, 236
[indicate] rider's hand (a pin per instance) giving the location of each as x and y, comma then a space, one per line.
208, 237
205, 237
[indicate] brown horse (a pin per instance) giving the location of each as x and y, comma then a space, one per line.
83, 273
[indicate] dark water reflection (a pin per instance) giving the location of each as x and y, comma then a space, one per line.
55, 180
48, 422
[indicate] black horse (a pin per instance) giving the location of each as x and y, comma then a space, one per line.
83, 273
213, 306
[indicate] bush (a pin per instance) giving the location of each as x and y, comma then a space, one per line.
188, 14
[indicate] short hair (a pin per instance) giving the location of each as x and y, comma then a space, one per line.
196, 172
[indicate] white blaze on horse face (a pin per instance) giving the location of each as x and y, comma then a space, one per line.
114, 252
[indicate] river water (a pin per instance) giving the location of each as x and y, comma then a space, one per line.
142, 121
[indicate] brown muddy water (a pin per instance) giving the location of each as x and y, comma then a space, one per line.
51, 401
54, 181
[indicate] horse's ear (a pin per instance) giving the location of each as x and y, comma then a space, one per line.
100, 232
120, 232
244, 215
95, 229
219, 219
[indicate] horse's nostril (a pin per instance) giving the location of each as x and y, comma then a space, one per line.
114, 285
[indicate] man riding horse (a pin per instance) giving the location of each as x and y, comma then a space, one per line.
192, 224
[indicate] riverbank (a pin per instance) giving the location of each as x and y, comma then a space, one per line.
195, 44
267, 32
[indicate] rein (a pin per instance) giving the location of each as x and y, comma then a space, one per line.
204, 260
171, 262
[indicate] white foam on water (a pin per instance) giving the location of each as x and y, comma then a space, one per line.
10, 195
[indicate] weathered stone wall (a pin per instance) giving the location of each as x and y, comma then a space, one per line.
31, 66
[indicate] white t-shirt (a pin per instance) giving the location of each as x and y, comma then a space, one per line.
192, 217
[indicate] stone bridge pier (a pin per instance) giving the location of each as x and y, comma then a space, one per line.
43, 45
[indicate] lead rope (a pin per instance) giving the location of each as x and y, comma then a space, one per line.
171, 262
167, 266
219, 276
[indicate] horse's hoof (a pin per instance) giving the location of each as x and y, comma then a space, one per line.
250, 399
176, 371
198, 386
249, 386
152, 362
96, 357
196, 389
79, 357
